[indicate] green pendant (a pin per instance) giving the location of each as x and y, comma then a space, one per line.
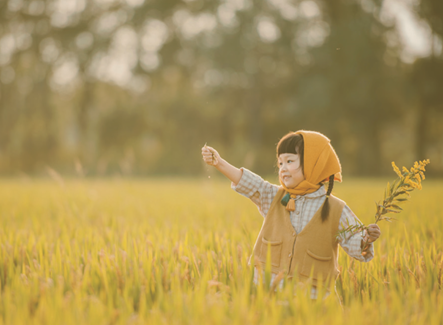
286, 199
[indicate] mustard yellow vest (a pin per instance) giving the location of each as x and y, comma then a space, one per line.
314, 251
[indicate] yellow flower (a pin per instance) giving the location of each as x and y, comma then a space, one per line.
417, 177
413, 184
423, 164
405, 170
422, 175
410, 182
396, 170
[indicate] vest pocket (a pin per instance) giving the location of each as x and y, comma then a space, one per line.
275, 251
319, 266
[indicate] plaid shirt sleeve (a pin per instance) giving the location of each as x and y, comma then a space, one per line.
352, 243
258, 190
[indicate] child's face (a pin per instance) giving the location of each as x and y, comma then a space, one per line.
290, 171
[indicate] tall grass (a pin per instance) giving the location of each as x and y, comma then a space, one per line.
175, 252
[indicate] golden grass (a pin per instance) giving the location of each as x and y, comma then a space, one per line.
175, 252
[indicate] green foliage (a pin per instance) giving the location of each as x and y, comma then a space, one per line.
134, 86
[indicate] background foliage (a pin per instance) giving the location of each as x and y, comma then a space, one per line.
137, 87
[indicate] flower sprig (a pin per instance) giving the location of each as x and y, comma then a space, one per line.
395, 193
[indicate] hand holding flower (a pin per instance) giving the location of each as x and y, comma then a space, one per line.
395, 194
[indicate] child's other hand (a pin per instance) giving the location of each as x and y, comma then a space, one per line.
372, 233
210, 156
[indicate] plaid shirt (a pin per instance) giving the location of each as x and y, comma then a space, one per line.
262, 194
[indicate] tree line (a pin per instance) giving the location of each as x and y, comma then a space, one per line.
138, 87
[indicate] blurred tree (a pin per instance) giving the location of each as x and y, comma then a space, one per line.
246, 63
28, 128
432, 12
139, 86
427, 80
349, 85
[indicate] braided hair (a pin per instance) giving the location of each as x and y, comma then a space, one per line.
325, 209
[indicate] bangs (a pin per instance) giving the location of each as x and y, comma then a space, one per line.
290, 144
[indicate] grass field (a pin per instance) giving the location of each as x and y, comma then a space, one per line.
164, 251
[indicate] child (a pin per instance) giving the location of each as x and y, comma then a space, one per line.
302, 218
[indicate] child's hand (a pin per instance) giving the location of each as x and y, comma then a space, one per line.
372, 233
210, 156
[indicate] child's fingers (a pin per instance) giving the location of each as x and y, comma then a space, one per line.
371, 237
373, 227
208, 151
209, 159
210, 155
368, 239
208, 148
374, 230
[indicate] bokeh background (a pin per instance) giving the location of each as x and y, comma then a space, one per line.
137, 87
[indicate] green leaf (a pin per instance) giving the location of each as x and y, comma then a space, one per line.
394, 184
393, 211
401, 193
394, 206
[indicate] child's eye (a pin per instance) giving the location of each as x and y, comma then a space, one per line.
289, 161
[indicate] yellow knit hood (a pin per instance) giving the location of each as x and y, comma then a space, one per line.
320, 161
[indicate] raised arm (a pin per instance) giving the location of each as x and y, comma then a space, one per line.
213, 158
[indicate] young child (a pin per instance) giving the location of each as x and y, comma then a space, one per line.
302, 218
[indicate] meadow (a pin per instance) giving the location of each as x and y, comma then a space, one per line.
175, 251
